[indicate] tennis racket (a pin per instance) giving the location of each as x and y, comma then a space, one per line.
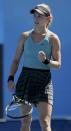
18, 108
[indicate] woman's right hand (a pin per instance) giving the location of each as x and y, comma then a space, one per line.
11, 85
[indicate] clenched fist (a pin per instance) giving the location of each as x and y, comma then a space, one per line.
41, 56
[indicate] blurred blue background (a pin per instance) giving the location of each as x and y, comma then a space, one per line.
14, 19
1, 22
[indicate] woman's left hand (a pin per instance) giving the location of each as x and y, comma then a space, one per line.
41, 56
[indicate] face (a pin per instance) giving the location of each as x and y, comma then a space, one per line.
39, 19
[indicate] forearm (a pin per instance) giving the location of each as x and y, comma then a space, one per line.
14, 68
54, 64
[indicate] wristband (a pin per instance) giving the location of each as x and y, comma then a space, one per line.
46, 61
10, 78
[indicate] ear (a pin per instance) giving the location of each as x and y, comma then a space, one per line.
50, 17
49, 20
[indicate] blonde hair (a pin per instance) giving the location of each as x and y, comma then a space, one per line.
49, 10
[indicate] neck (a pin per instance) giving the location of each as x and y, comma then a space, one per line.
40, 30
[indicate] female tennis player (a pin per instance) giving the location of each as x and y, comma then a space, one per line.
41, 52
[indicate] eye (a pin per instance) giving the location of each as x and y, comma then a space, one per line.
40, 15
37, 14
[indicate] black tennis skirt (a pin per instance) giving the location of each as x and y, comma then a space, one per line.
35, 85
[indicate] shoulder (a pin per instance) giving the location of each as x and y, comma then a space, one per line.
24, 35
22, 39
54, 38
52, 35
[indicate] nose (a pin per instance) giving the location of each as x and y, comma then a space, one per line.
36, 18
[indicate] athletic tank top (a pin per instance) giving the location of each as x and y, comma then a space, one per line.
31, 50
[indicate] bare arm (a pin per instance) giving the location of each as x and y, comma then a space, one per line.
18, 54
56, 52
